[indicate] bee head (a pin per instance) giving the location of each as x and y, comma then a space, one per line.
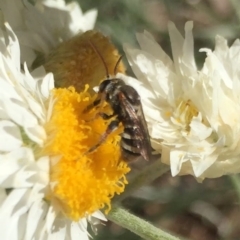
104, 86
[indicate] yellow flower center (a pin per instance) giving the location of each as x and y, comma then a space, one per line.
184, 113
82, 181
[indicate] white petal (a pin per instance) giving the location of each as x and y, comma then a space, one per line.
19, 112
198, 130
99, 215
36, 215
87, 22
212, 63
77, 233
43, 164
176, 161
7, 91
188, 48
82, 224
149, 71
7, 225
8, 206
36, 134
149, 44
10, 136
42, 170
177, 43
51, 215
199, 166
47, 85
30, 82
59, 231
22, 225
13, 165
19, 179
13, 46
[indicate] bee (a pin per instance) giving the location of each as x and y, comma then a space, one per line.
127, 109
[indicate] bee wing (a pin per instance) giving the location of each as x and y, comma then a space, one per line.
140, 130
143, 130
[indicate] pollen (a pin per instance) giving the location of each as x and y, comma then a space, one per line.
82, 181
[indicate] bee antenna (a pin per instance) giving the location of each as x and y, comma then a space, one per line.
117, 64
101, 58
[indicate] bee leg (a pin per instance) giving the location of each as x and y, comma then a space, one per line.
98, 101
111, 128
105, 116
92, 105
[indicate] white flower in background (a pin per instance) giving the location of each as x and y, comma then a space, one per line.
49, 187
42, 26
193, 116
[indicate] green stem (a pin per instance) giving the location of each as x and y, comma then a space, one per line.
137, 225
236, 183
147, 175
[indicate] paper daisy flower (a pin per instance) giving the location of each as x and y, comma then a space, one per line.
51, 186
193, 115
43, 26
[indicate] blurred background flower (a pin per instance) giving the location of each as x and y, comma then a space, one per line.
42, 25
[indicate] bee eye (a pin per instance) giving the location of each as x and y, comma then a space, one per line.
104, 85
